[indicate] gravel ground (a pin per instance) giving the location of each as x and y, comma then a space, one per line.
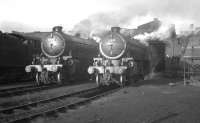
29, 97
152, 101
7, 86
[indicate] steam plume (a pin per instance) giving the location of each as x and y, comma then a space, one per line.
134, 13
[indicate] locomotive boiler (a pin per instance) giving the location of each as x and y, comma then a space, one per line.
60, 56
119, 59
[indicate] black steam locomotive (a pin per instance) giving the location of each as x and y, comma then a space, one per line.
58, 56
120, 59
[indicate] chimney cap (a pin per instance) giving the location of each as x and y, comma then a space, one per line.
115, 29
155, 19
57, 29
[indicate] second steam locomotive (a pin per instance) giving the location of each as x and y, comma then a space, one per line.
119, 59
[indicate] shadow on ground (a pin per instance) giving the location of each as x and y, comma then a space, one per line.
155, 81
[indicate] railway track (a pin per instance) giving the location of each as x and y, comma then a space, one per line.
28, 111
28, 89
8, 91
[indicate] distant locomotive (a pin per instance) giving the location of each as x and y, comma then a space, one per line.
120, 58
60, 56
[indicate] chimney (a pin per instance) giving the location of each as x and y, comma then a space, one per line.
57, 29
115, 29
173, 31
192, 26
155, 19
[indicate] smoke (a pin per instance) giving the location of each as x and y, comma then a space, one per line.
101, 22
167, 30
134, 13
162, 33
127, 14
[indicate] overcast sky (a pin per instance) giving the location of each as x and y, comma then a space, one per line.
42, 15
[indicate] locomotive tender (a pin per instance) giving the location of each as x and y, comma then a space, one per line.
120, 58
12, 47
60, 56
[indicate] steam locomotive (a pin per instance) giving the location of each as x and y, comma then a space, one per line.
58, 56
120, 59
